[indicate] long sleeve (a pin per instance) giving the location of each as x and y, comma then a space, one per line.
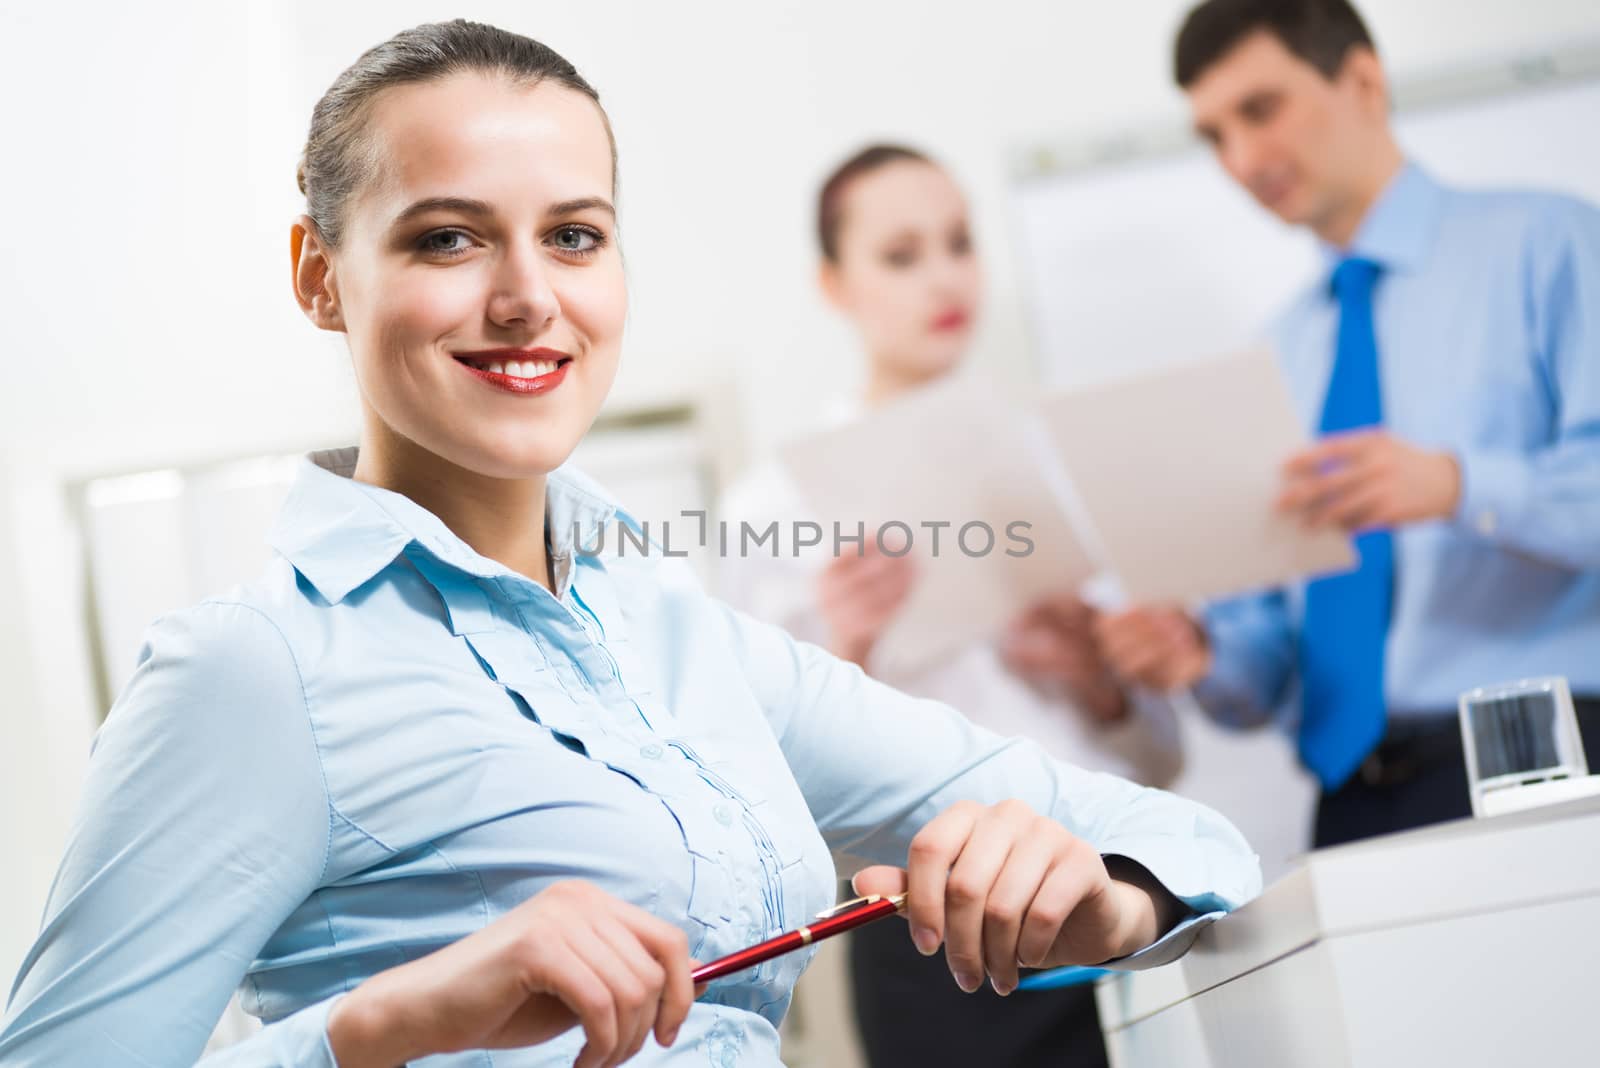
204, 823
1545, 501
1254, 655
781, 589
875, 766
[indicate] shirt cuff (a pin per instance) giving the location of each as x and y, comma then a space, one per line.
1207, 894
1224, 695
1493, 485
299, 1039
1170, 946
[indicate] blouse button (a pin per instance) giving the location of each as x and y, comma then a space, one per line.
724, 814
652, 751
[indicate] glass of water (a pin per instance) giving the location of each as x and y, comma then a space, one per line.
1519, 733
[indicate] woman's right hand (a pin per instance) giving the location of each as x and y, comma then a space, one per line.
571, 954
859, 595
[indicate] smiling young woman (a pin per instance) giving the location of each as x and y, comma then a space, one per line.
436, 783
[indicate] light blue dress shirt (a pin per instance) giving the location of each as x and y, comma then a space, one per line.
388, 741
1488, 324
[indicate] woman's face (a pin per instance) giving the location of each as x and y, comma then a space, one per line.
479, 279
906, 273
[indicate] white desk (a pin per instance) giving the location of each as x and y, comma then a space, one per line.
1466, 944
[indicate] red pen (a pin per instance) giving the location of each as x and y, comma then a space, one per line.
836, 920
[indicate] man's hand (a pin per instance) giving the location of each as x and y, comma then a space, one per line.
1369, 479
1054, 642
1159, 647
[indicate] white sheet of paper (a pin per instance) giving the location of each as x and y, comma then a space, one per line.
954, 452
1178, 470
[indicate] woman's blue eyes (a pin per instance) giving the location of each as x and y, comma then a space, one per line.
430, 242
578, 239
572, 240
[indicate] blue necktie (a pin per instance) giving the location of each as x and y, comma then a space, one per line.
1347, 616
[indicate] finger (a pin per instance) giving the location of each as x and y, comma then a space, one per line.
625, 994
1056, 634
651, 974
588, 996
1350, 512
1153, 662
864, 589
858, 576
887, 594
845, 576
863, 568
882, 879
677, 998
1163, 637
1029, 656
669, 946
1027, 619
1055, 657
1018, 882
1332, 449
966, 895
1115, 627
1129, 641
1071, 610
1059, 894
872, 622
1139, 624
933, 851
1307, 492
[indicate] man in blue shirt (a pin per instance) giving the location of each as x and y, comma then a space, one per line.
1448, 356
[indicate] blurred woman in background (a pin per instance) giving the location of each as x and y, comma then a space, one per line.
898, 261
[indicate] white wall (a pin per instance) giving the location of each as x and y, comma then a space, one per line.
148, 172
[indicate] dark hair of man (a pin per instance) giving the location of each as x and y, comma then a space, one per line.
1321, 32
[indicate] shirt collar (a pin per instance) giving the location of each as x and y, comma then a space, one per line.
339, 533
1399, 228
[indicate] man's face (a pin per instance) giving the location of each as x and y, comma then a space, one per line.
1299, 141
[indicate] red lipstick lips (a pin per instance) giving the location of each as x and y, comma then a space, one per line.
521, 371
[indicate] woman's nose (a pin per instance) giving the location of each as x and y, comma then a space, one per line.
524, 294
952, 273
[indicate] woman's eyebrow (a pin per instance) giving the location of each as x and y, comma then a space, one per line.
483, 209
572, 207
457, 204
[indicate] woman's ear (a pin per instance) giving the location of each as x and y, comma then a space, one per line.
312, 276
831, 284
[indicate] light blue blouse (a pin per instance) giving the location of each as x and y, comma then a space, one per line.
389, 741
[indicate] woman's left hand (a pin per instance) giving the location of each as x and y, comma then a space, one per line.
1002, 886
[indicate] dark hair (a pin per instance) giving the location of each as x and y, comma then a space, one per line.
830, 202
1321, 32
337, 158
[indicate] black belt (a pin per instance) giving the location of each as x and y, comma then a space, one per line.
1411, 748
1415, 745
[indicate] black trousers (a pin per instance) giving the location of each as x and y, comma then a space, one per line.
1435, 793
911, 1014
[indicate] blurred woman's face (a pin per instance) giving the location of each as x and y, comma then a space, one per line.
906, 273
479, 280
